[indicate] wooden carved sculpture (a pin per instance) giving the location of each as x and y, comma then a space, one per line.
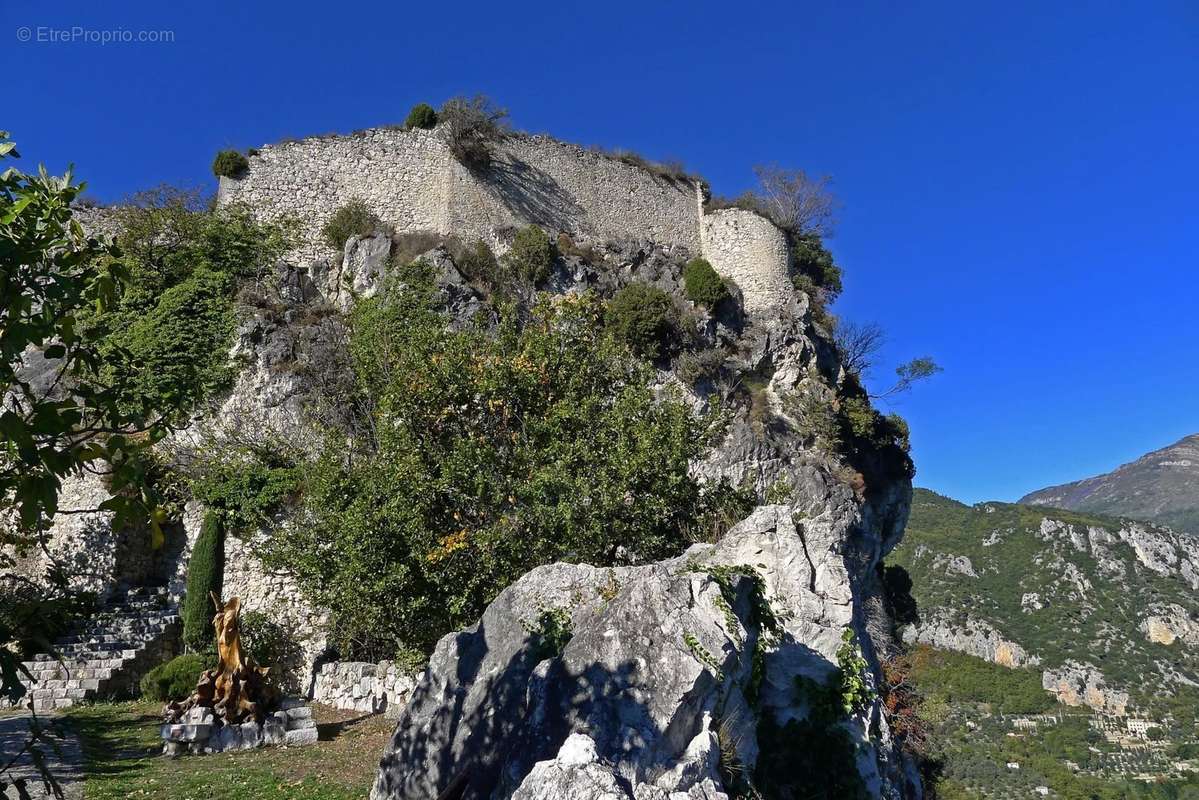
237, 689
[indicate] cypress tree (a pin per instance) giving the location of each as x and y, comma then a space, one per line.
205, 573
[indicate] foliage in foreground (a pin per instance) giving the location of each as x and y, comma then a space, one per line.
51, 276
491, 453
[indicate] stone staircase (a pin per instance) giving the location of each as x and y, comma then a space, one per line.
109, 654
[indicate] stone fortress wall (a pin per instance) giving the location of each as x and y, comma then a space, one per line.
412, 182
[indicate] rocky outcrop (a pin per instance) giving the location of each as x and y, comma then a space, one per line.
1171, 623
1077, 684
972, 636
659, 671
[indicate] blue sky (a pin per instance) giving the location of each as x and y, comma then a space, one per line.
1020, 180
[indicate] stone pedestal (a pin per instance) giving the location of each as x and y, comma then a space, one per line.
200, 731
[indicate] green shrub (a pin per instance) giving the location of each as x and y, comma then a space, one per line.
492, 453
229, 164
866, 426
703, 285
700, 365
165, 339
205, 573
176, 354
478, 264
646, 318
352, 219
813, 262
246, 490
551, 632
422, 115
532, 255
176, 679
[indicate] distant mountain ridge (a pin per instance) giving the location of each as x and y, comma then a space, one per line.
1160, 487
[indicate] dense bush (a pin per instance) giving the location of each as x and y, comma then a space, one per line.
532, 255
176, 679
863, 426
407, 247
472, 126
491, 453
961, 678
700, 365
229, 164
478, 264
165, 338
813, 266
422, 115
205, 573
352, 219
177, 352
245, 489
703, 284
646, 318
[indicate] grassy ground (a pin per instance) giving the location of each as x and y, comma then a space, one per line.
122, 749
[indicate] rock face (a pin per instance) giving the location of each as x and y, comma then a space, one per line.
975, 637
1161, 487
1078, 684
659, 671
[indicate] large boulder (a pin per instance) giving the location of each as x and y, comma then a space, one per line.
663, 687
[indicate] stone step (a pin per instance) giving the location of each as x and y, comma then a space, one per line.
89, 660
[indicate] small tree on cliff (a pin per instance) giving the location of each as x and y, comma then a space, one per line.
795, 201
472, 125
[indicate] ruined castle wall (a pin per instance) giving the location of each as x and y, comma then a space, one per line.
564, 187
752, 252
412, 182
400, 175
